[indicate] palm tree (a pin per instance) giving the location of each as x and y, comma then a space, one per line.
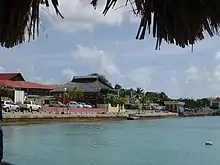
163, 97
73, 94
138, 92
121, 101
118, 88
144, 100
131, 92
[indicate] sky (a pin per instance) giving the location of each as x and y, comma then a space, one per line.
87, 42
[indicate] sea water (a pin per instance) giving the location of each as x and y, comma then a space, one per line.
172, 141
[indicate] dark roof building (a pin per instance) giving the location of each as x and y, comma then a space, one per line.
93, 88
84, 84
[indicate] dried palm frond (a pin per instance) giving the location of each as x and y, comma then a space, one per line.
18, 17
180, 22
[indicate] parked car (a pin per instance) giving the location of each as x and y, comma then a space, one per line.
9, 106
85, 105
74, 104
30, 106
57, 104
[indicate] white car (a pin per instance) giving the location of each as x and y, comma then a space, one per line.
86, 105
9, 106
74, 104
30, 106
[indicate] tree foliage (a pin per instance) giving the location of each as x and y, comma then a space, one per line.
6, 92
73, 94
195, 103
114, 100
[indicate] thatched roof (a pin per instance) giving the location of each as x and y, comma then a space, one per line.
83, 84
180, 22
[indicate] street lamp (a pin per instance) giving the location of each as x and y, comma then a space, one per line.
64, 94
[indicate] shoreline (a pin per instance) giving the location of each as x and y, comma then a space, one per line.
26, 119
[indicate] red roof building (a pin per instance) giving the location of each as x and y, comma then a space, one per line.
16, 80
216, 100
11, 76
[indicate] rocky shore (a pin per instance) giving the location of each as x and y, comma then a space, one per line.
204, 113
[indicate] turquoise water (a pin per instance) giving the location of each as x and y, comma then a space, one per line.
178, 141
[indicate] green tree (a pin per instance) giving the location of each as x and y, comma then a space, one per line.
163, 97
130, 92
5, 92
204, 102
138, 92
144, 101
111, 99
73, 94
117, 86
121, 101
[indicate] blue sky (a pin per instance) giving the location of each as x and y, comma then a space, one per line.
87, 42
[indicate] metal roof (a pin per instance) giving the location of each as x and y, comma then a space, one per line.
26, 84
9, 76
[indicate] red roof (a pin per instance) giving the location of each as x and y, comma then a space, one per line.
216, 99
7, 76
25, 84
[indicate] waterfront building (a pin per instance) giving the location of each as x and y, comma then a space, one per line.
17, 82
174, 106
93, 89
215, 103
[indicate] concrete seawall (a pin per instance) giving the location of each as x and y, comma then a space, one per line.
212, 113
13, 118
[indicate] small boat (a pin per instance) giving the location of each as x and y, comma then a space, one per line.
208, 143
132, 117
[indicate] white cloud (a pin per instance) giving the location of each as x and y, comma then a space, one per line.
217, 72
68, 73
172, 85
96, 59
18, 70
192, 74
80, 15
2, 69
38, 79
140, 77
51, 81
217, 56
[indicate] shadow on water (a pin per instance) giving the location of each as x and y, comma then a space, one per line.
6, 163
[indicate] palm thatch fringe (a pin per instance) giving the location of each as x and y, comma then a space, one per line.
180, 22
18, 17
